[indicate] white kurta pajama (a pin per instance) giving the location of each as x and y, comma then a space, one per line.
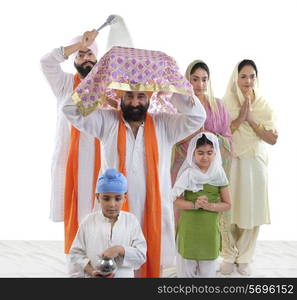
170, 128
95, 235
61, 84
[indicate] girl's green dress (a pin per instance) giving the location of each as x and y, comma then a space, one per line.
198, 236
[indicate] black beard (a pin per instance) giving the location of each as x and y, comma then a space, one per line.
134, 113
84, 71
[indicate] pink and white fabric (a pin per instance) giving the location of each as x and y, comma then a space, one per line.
130, 69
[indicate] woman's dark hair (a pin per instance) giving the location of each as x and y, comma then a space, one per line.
203, 141
247, 62
200, 65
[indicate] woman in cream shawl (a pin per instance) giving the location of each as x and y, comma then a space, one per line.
253, 125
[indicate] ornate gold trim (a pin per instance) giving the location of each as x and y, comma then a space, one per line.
87, 110
146, 87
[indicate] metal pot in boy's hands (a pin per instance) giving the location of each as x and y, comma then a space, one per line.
106, 266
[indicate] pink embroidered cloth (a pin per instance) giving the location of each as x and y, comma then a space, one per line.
130, 69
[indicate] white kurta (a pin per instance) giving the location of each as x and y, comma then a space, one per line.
61, 84
170, 128
95, 235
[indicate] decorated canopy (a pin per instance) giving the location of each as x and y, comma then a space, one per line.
130, 69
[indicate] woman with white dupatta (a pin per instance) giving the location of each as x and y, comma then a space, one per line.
217, 118
200, 192
253, 125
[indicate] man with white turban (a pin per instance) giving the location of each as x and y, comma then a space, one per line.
76, 158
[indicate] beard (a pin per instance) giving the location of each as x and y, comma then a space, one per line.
84, 70
134, 113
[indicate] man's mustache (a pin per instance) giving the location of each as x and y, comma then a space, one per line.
131, 108
87, 62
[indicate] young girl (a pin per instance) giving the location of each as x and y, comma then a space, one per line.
200, 192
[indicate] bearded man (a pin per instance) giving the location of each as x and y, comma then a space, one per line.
76, 158
139, 145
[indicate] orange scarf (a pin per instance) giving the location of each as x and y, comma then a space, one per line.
152, 210
71, 182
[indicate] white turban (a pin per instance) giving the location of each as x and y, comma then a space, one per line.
93, 47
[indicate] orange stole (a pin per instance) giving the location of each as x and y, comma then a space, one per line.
71, 182
152, 211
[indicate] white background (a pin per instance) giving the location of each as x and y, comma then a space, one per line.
219, 32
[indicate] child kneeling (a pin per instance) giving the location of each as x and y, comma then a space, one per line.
109, 232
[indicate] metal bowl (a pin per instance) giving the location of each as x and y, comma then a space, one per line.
106, 266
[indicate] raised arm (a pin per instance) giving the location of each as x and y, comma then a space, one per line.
59, 81
190, 117
245, 114
97, 124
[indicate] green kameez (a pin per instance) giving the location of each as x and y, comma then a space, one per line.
198, 235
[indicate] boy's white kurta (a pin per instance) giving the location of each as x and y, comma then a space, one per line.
61, 84
170, 128
95, 235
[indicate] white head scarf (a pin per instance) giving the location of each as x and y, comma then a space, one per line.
245, 141
190, 177
234, 90
209, 91
93, 47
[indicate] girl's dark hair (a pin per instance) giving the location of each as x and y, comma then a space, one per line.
203, 141
247, 62
200, 65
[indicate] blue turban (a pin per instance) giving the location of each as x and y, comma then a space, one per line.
112, 181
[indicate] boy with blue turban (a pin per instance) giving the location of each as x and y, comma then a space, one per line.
109, 232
